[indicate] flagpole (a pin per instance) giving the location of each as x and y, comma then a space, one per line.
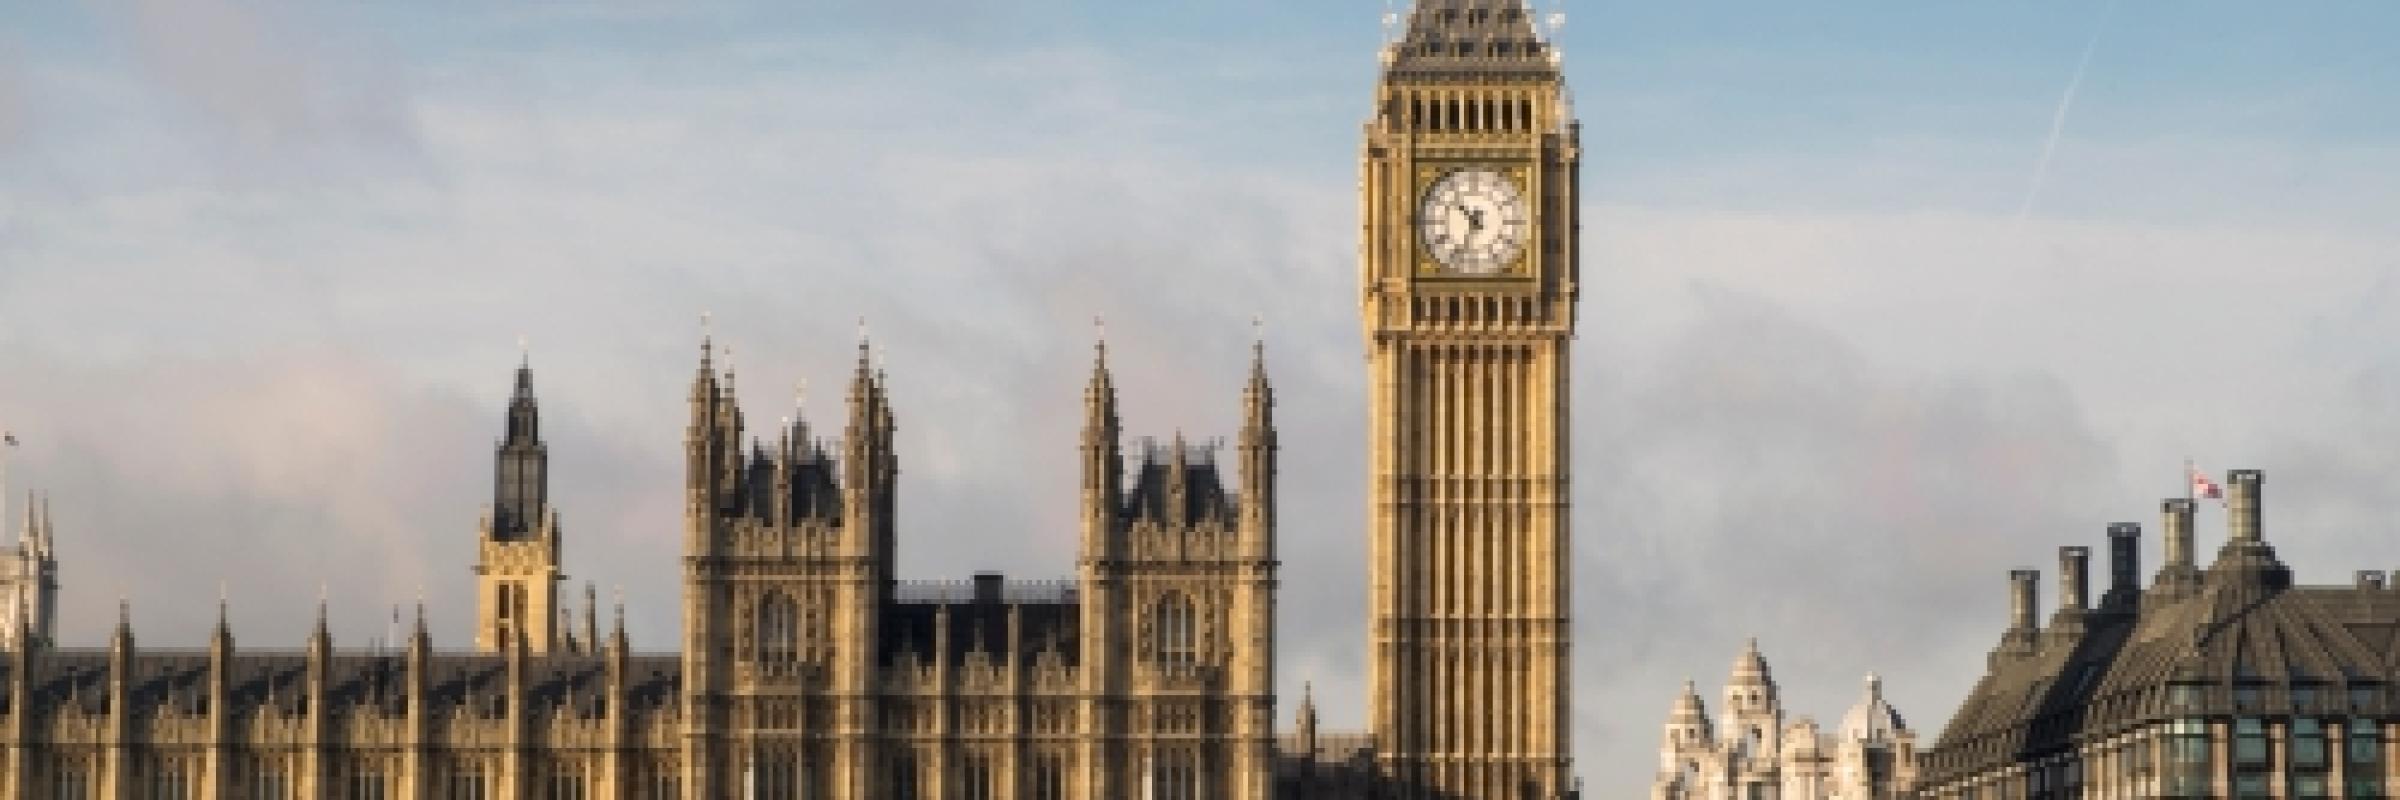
8, 441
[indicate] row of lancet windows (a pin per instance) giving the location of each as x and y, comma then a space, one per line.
1464, 112
1473, 310
978, 778
466, 782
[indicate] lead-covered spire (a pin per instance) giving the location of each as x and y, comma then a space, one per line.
1472, 36
521, 472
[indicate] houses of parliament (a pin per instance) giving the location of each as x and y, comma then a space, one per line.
809, 669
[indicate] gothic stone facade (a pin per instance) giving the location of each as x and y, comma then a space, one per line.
808, 670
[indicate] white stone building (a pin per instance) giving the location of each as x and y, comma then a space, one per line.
1753, 752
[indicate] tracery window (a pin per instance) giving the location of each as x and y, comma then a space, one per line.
168, 782
975, 777
1174, 775
70, 781
1049, 777
778, 630
468, 781
1174, 635
367, 782
269, 777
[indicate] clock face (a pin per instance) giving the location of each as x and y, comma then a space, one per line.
1473, 221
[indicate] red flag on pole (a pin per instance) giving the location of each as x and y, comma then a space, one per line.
2202, 487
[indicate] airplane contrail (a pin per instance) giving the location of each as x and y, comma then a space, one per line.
2058, 119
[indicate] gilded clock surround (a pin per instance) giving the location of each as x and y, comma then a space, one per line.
1513, 270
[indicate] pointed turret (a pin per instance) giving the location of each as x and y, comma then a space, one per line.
616, 633
31, 532
420, 640
222, 636
703, 439
320, 637
1753, 709
1305, 723
46, 530
1687, 722
869, 465
1103, 456
121, 641
591, 616
1258, 447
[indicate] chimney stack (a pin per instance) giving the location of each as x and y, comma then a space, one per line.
2024, 633
2075, 591
2024, 599
2242, 504
2247, 560
2124, 562
2180, 571
2176, 513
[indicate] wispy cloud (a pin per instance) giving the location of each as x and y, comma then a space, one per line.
2058, 118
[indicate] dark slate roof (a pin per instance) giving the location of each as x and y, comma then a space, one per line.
1472, 36
474, 682
1166, 469
1052, 623
2243, 635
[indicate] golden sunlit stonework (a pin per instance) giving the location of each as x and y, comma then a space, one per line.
1468, 299
808, 669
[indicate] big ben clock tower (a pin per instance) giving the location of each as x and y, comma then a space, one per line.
1468, 284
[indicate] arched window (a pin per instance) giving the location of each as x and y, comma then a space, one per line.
1049, 777
1174, 640
1174, 775
778, 630
904, 776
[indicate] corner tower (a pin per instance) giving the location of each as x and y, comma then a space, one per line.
1468, 286
516, 570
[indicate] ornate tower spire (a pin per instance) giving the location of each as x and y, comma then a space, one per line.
1258, 446
521, 473
1103, 455
517, 560
1468, 282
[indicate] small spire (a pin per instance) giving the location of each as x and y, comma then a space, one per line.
707, 340
617, 627
322, 633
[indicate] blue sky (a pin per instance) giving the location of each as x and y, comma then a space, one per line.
264, 265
